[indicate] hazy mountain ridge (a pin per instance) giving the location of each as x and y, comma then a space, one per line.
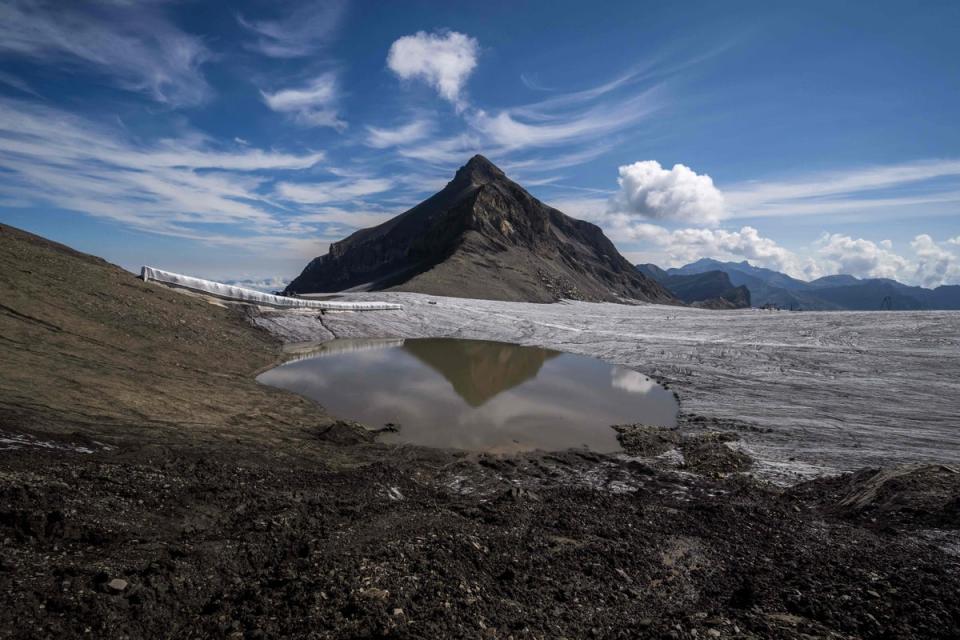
710, 289
482, 236
835, 292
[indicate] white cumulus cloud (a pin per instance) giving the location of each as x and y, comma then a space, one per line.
678, 194
840, 253
442, 60
934, 264
631, 381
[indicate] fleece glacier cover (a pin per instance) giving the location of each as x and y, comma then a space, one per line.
230, 292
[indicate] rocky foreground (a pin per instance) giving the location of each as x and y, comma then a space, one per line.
150, 488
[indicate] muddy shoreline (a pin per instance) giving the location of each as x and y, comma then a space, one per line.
818, 393
150, 488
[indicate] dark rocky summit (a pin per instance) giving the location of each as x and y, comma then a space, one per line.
482, 236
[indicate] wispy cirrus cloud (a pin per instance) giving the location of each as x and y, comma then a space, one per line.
313, 104
505, 139
539, 163
17, 83
583, 120
529, 80
934, 183
301, 31
134, 45
382, 138
511, 130
332, 191
186, 187
352, 219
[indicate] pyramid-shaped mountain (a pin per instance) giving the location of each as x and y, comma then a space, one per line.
479, 370
482, 236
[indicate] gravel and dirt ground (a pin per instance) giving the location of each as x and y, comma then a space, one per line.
150, 488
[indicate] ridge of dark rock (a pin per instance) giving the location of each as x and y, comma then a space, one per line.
482, 236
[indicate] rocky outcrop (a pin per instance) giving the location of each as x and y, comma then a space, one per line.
482, 236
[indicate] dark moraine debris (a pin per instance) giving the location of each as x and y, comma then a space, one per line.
703, 452
917, 496
482, 236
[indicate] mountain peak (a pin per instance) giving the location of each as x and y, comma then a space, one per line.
479, 170
482, 236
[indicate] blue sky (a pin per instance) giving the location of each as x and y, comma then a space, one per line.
236, 140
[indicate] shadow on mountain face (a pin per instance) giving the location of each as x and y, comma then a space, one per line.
482, 236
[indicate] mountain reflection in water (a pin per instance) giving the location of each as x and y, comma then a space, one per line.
475, 395
477, 369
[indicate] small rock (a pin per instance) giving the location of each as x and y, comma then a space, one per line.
872, 593
713, 633
117, 585
398, 611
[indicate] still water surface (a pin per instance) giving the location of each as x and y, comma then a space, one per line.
476, 395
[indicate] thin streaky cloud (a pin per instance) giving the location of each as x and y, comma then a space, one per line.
506, 130
382, 138
530, 83
300, 32
313, 104
338, 191
134, 45
171, 188
17, 83
559, 161
848, 181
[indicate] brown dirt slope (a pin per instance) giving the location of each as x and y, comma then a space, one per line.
87, 347
482, 236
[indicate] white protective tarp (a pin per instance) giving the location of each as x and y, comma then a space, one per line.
229, 292
312, 351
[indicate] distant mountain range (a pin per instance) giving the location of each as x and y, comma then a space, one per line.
482, 236
830, 293
710, 289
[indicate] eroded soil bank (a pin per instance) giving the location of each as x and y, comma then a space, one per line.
150, 488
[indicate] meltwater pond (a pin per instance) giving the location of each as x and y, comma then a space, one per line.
476, 395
